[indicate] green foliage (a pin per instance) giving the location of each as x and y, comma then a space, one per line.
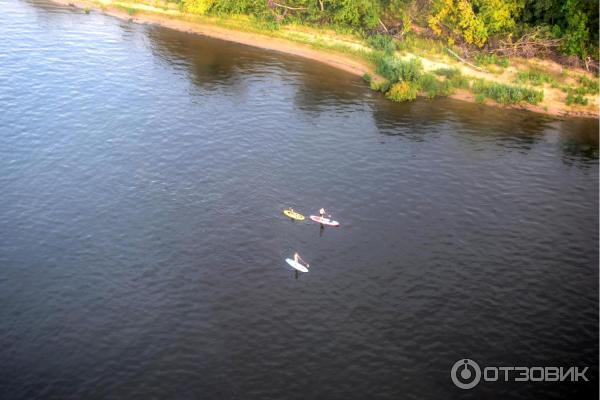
402, 91
367, 78
471, 21
251, 7
356, 13
507, 94
575, 21
460, 18
498, 15
383, 43
576, 33
476, 22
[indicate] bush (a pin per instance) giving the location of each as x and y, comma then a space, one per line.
397, 70
402, 91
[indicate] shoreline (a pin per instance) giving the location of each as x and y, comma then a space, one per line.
344, 62
339, 61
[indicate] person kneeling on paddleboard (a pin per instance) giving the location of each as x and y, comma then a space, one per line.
297, 260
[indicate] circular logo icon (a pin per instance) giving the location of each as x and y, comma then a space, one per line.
465, 374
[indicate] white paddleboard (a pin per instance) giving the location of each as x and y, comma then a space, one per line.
296, 265
324, 221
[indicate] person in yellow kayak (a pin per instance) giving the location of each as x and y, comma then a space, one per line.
297, 260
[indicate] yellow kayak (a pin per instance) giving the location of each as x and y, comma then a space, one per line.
293, 214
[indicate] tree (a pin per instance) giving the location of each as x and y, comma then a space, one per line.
459, 18
498, 16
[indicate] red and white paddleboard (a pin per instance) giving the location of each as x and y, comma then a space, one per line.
324, 221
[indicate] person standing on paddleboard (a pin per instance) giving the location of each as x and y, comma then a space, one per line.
322, 212
297, 260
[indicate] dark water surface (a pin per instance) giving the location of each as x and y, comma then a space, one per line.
143, 173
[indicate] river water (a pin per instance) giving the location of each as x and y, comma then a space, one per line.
143, 173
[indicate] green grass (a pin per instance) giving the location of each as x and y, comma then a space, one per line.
383, 43
483, 60
460, 81
129, 10
535, 77
588, 85
507, 94
575, 98
421, 46
455, 78
264, 24
447, 72
433, 87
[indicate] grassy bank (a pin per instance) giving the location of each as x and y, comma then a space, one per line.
400, 69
